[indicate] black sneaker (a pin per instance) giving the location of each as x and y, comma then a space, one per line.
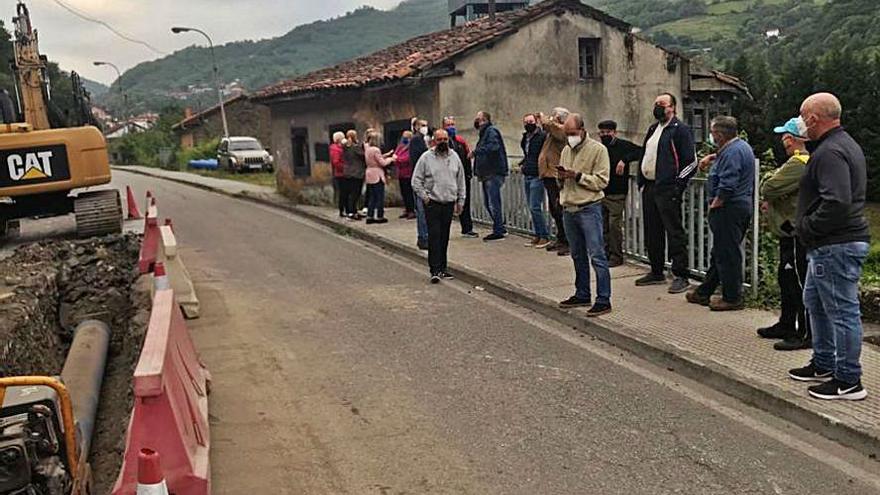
446, 276
381, 220
599, 310
435, 279
494, 237
775, 331
423, 245
371, 221
679, 285
575, 302
810, 373
838, 390
471, 235
651, 279
793, 344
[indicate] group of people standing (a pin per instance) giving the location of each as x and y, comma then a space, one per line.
814, 203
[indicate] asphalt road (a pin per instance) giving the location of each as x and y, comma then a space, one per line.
339, 370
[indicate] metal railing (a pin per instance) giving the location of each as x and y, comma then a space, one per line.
695, 218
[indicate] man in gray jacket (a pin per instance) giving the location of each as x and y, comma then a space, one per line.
439, 182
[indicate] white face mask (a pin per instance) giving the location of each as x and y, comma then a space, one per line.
802, 127
424, 131
574, 141
344, 142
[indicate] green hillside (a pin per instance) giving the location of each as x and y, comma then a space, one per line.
259, 63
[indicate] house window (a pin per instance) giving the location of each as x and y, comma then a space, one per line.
342, 127
699, 125
393, 131
589, 58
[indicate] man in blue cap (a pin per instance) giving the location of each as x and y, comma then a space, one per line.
779, 192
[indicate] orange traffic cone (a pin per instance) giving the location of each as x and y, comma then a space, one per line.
160, 277
151, 481
133, 212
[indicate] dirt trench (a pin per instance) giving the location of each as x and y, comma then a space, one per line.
46, 290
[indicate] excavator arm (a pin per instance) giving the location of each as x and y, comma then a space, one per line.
30, 71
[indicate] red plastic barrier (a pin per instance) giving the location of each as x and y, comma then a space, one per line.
133, 212
171, 406
149, 244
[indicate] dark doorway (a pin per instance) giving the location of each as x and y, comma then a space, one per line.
299, 147
393, 131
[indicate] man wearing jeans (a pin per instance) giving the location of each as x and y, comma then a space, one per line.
584, 170
439, 183
832, 226
491, 167
532, 142
732, 192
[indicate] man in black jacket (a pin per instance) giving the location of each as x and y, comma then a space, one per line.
668, 164
831, 224
621, 153
531, 144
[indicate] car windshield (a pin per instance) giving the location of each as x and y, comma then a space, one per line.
245, 145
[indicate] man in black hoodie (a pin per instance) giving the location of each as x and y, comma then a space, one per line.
831, 224
622, 153
668, 163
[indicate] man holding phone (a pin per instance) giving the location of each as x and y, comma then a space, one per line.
584, 171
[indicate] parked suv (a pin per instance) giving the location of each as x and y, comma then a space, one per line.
243, 154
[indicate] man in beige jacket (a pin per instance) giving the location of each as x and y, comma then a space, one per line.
584, 171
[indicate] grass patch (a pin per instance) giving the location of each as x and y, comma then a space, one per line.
705, 27
256, 178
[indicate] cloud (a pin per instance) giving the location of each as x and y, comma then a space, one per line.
75, 43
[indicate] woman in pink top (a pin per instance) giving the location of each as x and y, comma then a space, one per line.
376, 164
404, 175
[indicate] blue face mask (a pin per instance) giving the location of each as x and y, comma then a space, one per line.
405, 141
451, 131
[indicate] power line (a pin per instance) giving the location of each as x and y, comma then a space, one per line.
112, 29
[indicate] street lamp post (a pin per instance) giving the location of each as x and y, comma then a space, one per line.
119, 80
178, 30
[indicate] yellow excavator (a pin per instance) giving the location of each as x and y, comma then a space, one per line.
48, 170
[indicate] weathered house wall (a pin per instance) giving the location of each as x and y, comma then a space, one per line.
363, 108
244, 118
536, 69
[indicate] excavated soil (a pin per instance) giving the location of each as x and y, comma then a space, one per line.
46, 290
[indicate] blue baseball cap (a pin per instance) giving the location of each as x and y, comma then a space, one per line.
790, 127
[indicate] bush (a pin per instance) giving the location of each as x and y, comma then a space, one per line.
206, 150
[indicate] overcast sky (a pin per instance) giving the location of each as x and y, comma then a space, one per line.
75, 43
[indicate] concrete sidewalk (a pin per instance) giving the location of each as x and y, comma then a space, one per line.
719, 349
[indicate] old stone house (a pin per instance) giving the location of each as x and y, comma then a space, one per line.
244, 117
555, 53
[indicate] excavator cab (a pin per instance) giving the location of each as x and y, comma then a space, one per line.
44, 170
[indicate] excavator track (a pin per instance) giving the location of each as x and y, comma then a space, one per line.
98, 213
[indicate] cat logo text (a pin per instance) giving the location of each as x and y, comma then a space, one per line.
29, 166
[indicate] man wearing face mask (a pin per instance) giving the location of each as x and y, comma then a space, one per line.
668, 164
831, 224
417, 147
780, 194
583, 171
439, 183
531, 144
732, 190
491, 167
622, 153
548, 160
460, 146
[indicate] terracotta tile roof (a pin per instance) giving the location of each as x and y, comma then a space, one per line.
417, 55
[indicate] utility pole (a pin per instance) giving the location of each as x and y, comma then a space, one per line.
178, 30
492, 10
